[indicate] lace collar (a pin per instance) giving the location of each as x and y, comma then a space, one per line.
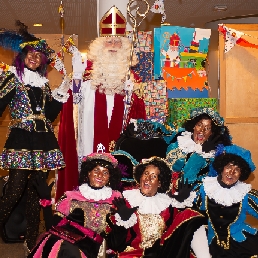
225, 196
147, 205
30, 77
187, 145
96, 195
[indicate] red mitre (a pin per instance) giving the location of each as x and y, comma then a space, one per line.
113, 23
174, 40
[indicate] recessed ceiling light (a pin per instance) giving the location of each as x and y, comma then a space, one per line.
37, 24
220, 8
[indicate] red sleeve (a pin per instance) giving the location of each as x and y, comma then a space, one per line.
87, 72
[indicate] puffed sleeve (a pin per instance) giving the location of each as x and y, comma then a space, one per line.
52, 106
7, 89
253, 203
199, 199
63, 205
118, 237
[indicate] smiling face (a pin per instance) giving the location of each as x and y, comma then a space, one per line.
202, 131
149, 181
98, 176
33, 60
230, 174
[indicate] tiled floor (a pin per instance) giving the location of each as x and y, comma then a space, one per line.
13, 250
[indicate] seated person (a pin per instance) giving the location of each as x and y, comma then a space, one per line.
76, 228
146, 222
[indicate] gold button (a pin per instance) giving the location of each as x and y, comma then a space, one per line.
221, 217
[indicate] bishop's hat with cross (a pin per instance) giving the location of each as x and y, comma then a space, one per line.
113, 23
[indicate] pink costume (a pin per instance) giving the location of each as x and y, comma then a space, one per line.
83, 218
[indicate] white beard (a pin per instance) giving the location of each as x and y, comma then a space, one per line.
109, 72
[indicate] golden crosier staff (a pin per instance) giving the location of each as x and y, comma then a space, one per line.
61, 12
135, 26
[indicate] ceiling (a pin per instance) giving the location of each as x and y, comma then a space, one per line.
80, 15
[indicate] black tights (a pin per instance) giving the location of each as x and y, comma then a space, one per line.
19, 180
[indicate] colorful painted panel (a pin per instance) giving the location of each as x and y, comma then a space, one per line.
156, 41
145, 66
189, 93
155, 98
180, 56
143, 41
179, 108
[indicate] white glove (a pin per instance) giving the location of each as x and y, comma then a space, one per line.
129, 85
59, 65
79, 65
61, 93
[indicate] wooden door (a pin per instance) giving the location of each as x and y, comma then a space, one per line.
238, 92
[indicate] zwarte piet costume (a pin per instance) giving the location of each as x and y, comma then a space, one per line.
79, 223
227, 206
31, 145
155, 227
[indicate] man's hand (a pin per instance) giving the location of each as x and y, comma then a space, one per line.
129, 85
79, 65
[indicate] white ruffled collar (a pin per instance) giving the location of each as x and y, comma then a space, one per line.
95, 194
187, 145
225, 196
147, 205
29, 77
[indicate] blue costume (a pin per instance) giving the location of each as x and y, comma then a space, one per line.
190, 158
226, 207
187, 157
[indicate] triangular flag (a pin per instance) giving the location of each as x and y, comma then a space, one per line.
244, 43
158, 7
231, 36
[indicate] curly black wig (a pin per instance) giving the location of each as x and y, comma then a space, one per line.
221, 131
223, 159
164, 175
19, 62
89, 165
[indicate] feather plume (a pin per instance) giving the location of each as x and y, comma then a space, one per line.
11, 39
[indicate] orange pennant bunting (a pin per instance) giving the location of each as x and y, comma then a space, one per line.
244, 43
174, 75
